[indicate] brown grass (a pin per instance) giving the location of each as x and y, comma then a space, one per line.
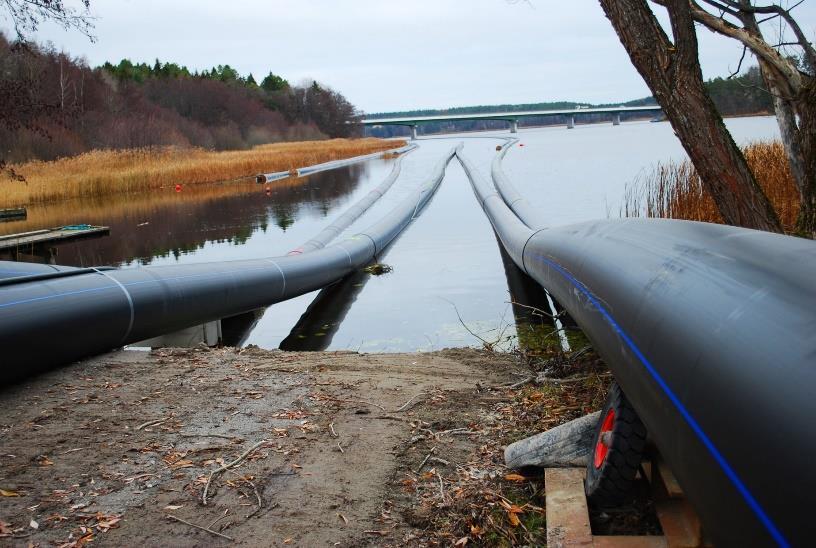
102, 209
106, 172
674, 191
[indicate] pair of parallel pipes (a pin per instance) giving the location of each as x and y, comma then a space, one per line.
710, 330
50, 318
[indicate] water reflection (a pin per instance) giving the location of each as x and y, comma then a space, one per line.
447, 256
164, 224
317, 326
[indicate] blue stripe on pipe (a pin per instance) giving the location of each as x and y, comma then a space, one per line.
695, 426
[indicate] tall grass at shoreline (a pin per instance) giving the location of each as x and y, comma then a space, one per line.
674, 190
106, 172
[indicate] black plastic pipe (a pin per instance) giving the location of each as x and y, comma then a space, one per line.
528, 214
353, 213
54, 322
711, 332
333, 164
14, 269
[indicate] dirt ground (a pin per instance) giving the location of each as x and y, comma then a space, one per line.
339, 448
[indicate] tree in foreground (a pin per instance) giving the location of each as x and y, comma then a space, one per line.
791, 80
672, 71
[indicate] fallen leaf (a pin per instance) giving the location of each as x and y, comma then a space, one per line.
5, 493
287, 540
344, 518
514, 521
5, 528
33, 524
515, 477
173, 506
462, 541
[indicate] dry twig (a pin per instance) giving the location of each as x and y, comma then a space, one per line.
428, 456
226, 467
151, 423
216, 533
405, 405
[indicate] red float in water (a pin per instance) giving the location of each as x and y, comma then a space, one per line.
178, 188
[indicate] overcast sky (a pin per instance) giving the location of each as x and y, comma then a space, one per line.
387, 55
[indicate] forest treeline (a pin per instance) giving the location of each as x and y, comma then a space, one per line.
54, 105
739, 95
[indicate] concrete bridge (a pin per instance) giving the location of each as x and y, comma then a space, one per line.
511, 117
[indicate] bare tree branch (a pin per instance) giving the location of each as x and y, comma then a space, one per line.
27, 16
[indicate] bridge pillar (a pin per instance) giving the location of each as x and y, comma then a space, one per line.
571, 122
513, 126
616, 119
413, 133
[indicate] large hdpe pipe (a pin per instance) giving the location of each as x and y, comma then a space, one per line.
528, 214
709, 330
14, 269
333, 164
53, 322
353, 213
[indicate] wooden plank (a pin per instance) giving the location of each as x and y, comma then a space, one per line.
673, 489
567, 512
680, 524
629, 542
41, 237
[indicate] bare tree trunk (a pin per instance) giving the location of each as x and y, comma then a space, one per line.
794, 139
672, 72
806, 223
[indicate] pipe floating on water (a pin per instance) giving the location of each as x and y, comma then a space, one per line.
53, 322
333, 164
525, 211
709, 329
353, 213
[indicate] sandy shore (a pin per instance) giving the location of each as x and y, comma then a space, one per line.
107, 449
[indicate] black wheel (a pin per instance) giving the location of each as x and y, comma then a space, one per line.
616, 453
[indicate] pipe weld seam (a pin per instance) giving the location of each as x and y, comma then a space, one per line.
524, 250
127, 296
283, 276
341, 246
372, 242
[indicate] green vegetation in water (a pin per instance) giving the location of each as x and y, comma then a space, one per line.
377, 269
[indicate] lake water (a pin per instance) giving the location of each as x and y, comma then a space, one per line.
446, 265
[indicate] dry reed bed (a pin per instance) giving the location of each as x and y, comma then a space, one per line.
104, 172
105, 208
674, 190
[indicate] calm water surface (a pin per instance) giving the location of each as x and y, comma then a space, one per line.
446, 265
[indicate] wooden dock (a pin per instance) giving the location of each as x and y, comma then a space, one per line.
39, 243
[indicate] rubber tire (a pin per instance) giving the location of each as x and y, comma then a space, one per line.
612, 483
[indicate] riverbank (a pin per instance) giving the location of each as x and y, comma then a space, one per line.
673, 190
337, 447
109, 172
